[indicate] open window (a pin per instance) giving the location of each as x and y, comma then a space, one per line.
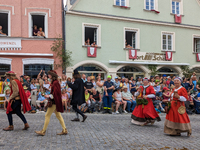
3, 24
91, 35
197, 45
132, 40
38, 25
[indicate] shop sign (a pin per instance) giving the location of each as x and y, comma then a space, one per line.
145, 56
10, 43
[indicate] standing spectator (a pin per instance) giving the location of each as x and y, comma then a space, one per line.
89, 85
84, 78
112, 80
185, 84
93, 82
172, 81
163, 84
33, 86
99, 85
120, 80
46, 86
139, 82
191, 85
116, 83
63, 82
28, 94
123, 81
69, 79
157, 77
165, 77
28, 83
128, 97
96, 100
119, 100
107, 99
64, 99
152, 83
6, 85
133, 87
37, 84
194, 81
157, 89
126, 83
168, 81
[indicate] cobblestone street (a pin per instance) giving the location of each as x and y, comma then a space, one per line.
98, 132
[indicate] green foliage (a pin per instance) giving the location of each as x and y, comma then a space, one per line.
153, 69
64, 60
186, 71
141, 101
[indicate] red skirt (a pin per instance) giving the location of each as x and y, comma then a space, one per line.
147, 113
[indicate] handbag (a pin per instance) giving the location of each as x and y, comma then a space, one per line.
181, 109
49, 104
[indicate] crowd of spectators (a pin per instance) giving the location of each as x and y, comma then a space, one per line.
119, 89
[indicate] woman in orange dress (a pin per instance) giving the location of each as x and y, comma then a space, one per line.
177, 120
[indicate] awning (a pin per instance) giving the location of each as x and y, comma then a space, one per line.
147, 63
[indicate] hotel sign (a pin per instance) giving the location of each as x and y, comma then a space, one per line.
10, 43
145, 56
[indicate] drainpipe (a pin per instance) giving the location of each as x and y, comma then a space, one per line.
63, 34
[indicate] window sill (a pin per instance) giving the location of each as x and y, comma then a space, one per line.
195, 53
175, 14
168, 51
156, 11
90, 46
37, 37
131, 48
125, 7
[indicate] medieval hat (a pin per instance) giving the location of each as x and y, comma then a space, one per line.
53, 73
76, 72
10, 73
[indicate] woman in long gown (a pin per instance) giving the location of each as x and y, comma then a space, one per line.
177, 120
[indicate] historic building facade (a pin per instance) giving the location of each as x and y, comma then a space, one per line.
21, 49
128, 35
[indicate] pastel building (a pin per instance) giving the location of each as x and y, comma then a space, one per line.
21, 50
128, 35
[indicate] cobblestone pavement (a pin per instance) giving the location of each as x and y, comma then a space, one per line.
99, 132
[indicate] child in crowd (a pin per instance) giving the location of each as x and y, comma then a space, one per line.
86, 105
64, 99
6, 98
28, 93
166, 96
69, 93
42, 99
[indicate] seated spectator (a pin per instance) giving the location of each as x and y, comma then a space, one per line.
89, 85
128, 97
40, 32
28, 94
87, 42
96, 100
7, 95
35, 30
42, 99
119, 100
87, 104
94, 44
64, 99
33, 86
1, 31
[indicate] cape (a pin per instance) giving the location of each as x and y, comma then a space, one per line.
24, 100
56, 92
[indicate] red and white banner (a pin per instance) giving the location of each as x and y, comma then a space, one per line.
132, 54
178, 18
168, 56
198, 56
92, 52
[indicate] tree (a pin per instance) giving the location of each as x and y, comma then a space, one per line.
186, 71
63, 55
153, 69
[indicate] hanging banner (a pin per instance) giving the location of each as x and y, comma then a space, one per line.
91, 51
132, 54
168, 56
10, 43
198, 56
178, 19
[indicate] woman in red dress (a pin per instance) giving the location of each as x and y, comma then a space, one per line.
177, 120
145, 114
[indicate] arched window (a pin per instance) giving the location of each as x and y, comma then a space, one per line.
91, 70
166, 70
130, 71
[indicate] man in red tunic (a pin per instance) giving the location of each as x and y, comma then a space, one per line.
145, 113
177, 120
17, 97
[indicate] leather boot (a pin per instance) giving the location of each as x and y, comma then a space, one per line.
26, 126
63, 132
40, 133
9, 128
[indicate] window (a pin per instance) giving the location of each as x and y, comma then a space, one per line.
121, 2
38, 21
150, 4
175, 7
4, 24
167, 42
197, 45
91, 35
132, 39
4, 68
